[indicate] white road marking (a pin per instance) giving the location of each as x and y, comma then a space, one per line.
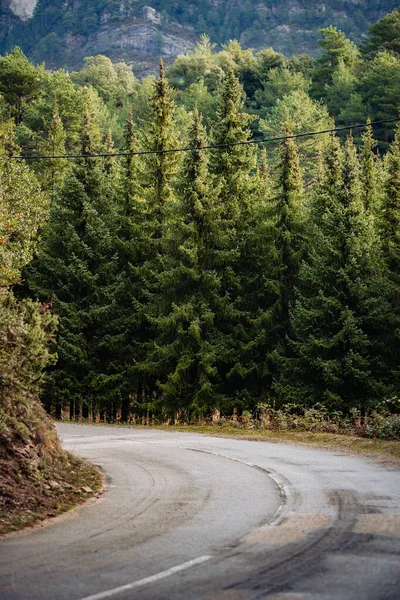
147, 580
283, 488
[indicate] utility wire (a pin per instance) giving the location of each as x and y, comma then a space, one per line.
210, 146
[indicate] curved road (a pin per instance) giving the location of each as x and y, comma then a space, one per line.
186, 516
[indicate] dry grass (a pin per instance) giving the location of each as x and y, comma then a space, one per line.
347, 443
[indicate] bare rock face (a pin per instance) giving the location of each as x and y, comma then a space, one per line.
140, 40
151, 15
23, 8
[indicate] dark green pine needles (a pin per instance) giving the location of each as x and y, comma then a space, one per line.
72, 271
339, 301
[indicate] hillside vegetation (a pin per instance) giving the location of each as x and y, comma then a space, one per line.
37, 478
63, 32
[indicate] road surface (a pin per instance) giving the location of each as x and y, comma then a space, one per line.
190, 517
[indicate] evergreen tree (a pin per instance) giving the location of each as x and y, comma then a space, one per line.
132, 191
20, 82
234, 167
337, 49
233, 164
303, 114
159, 172
71, 271
195, 314
161, 166
383, 35
390, 233
369, 172
252, 379
52, 171
126, 329
329, 182
379, 87
285, 235
339, 305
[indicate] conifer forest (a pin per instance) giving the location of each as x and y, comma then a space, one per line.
143, 281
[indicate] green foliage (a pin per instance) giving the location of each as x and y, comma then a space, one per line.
304, 114
380, 87
213, 279
342, 88
53, 171
338, 52
126, 329
278, 84
371, 194
76, 252
384, 35
340, 305
198, 95
25, 330
23, 209
191, 305
285, 234
160, 136
20, 82
57, 93
26, 327
390, 235
113, 82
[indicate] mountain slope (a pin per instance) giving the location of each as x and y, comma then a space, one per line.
62, 32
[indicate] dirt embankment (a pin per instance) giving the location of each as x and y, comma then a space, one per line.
38, 479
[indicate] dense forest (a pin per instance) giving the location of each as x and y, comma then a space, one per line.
225, 278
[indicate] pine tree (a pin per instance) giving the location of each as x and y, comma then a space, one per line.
194, 312
337, 316
288, 214
329, 182
249, 379
369, 172
285, 240
71, 271
52, 171
233, 164
234, 167
159, 173
126, 329
161, 166
390, 234
133, 192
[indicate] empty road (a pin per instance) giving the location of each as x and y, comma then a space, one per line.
187, 516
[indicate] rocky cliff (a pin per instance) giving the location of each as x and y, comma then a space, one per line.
62, 32
23, 8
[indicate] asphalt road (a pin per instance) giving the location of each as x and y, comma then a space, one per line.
188, 517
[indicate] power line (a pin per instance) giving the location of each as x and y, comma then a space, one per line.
210, 146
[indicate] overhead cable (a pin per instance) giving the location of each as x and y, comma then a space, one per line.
209, 146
